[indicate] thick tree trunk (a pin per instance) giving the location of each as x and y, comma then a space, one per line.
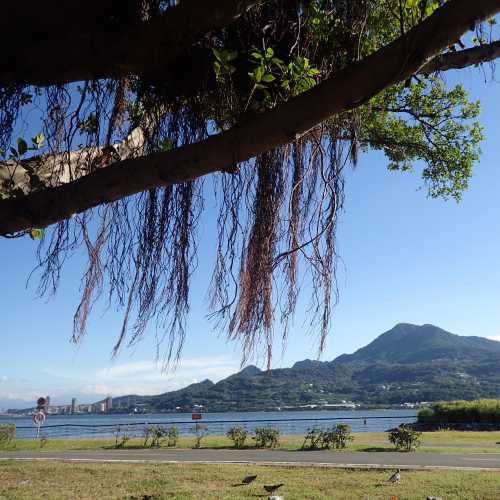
346, 90
140, 48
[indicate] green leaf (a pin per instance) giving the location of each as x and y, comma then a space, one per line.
268, 78
258, 73
217, 54
269, 53
38, 140
256, 55
37, 233
22, 147
231, 55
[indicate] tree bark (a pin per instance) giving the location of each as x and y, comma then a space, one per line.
140, 48
462, 58
346, 90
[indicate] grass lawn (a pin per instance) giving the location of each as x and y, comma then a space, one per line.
27, 480
432, 442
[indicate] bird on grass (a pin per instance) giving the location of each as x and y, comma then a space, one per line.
271, 489
396, 477
246, 480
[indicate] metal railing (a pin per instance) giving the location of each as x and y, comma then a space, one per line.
296, 426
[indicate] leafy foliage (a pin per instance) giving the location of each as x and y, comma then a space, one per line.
430, 124
405, 438
7, 435
154, 435
483, 411
237, 435
172, 436
266, 437
335, 437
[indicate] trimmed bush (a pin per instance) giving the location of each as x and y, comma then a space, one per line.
313, 440
334, 437
153, 435
7, 435
172, 436
266, 437
405, 438
341, 436
237, 435
482, 412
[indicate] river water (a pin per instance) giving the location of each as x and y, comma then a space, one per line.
289, 422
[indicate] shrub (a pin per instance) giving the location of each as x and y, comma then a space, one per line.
426, 415
200, 432
334, 437
313, 439
153, 434
172, 435
342, 435
266, 437
121, 436
158, 433
484, 412
404, 437
43, 441
7, 435
237, 435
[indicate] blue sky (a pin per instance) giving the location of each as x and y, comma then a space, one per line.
406, 258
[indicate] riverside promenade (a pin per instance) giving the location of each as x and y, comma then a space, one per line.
489, 461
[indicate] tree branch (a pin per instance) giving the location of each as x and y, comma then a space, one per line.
141, 48
346, 90
57, 169
462, 59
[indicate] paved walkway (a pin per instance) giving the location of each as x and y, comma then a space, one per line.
273, 457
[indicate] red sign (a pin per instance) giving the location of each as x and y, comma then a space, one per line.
195, 416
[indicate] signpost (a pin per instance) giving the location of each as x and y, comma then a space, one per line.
196, 413
39, 417
38, 420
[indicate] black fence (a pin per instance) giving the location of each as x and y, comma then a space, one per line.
296, 426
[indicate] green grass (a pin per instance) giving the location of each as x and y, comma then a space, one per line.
432, 442
28, 480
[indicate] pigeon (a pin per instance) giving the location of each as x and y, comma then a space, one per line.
248, 479
396, 477
434, 498
271, 489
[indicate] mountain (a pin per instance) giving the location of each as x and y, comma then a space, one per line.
407, 343
408, 363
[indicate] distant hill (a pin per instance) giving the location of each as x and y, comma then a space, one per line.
408, 363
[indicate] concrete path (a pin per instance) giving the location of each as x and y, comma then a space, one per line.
273, 457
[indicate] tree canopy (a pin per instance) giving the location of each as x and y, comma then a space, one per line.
134, 105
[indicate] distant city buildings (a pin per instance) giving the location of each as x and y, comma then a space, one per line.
108, 403
74, 408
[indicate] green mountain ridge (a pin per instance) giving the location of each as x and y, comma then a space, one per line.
408, 363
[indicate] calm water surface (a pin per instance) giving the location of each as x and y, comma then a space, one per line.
289, 422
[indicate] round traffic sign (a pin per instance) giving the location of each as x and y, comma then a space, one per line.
39, 418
